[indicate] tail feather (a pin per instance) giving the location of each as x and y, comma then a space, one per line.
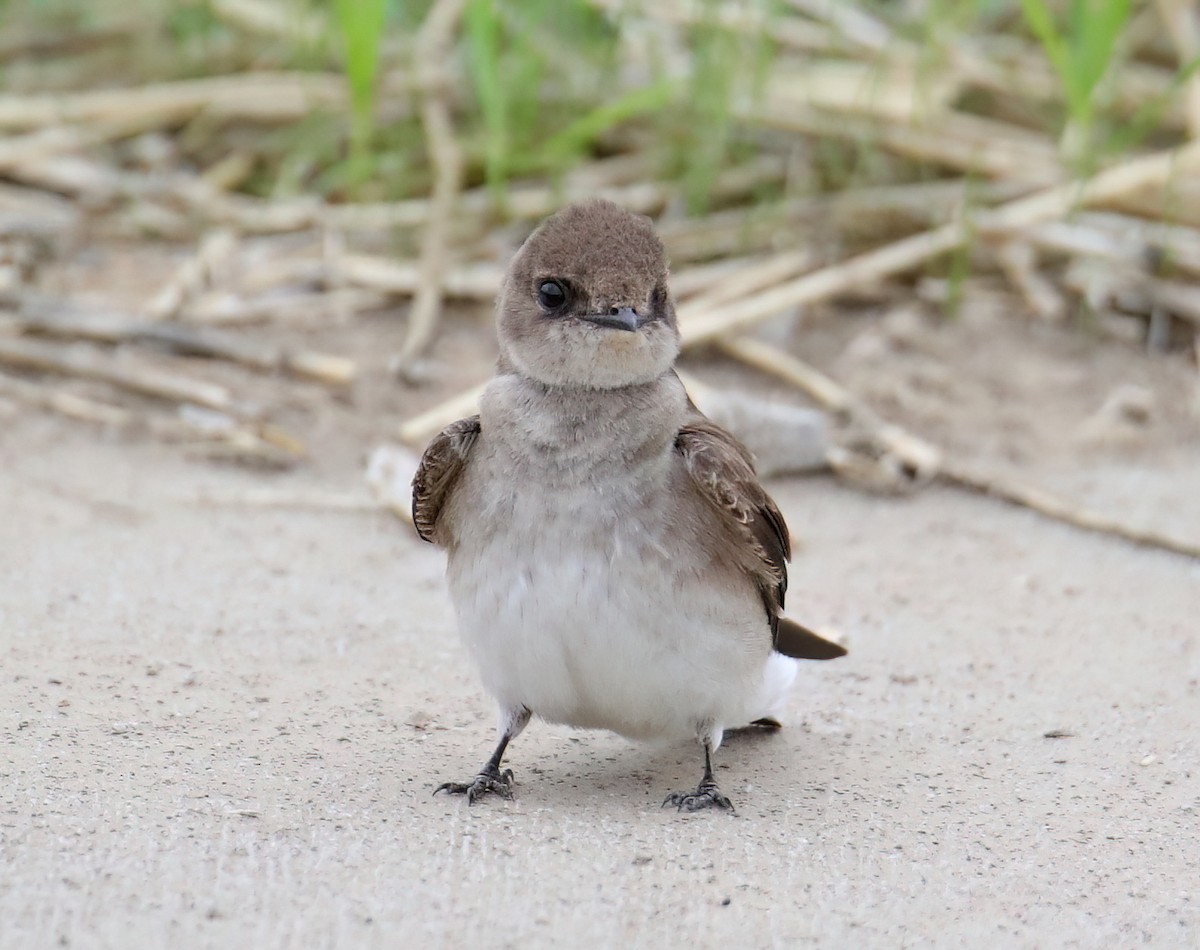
791, 639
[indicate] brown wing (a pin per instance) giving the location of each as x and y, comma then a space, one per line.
723, 470
438, 473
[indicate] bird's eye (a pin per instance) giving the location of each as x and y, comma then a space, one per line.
551, 295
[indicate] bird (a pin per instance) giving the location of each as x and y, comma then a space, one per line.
612, 558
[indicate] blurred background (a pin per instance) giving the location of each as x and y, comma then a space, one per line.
269, 231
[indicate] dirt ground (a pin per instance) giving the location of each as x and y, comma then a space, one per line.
223, 720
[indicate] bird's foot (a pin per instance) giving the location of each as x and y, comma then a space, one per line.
491, 779
706, 795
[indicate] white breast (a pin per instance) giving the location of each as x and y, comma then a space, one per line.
574, 604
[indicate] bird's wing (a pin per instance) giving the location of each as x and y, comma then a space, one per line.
440, 468
723, 471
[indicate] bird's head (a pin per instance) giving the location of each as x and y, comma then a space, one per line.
585, 301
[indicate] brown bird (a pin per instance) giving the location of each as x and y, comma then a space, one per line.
613, 561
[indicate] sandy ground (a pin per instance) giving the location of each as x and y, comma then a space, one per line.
223, 723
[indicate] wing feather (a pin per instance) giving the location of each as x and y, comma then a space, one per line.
438, 473
723, 470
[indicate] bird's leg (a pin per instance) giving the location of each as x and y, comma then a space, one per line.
706, 795
490, 778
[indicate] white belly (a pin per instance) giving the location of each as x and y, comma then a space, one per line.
575, 607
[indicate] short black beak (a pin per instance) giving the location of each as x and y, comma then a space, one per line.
617, 318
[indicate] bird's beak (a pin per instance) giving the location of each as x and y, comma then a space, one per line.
618, 318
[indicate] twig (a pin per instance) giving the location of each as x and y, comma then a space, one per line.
192, 275
465, 281
522, 202
256, 96
30, 212
1139, 173
957, 140
1183, 27
849, 21
225, 309
919, 460
1045, 503
173, 387
188, 341
229, 171
272, 19
20, 150
221, 434
1117, 238
1018, 260
697, 279
931, 462
420, 427
64, 403
749, 280
893, 91
872, 212
821, 284
17, 42
789, 31
1135, 291
699, 327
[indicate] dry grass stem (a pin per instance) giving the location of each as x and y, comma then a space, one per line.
420, 428
1182, 22
64, 403
294, 307
215, 435
923, 460
463, 281
911, 459
1018, 260
54, 319
1116, 238
822, 284
792, 32
748, 280
1148, 171
216, 248
1052, 506
955, 140
259, 96
94, 365
268, 18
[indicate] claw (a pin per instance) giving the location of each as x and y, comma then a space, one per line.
494, 781
706, 795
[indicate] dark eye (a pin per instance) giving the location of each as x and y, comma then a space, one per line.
551, 295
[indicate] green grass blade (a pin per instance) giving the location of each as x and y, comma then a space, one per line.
1037, 15
586, 129
1096, 33
483, 58
361, 23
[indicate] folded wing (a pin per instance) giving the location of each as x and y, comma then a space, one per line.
438, 473
723, 471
